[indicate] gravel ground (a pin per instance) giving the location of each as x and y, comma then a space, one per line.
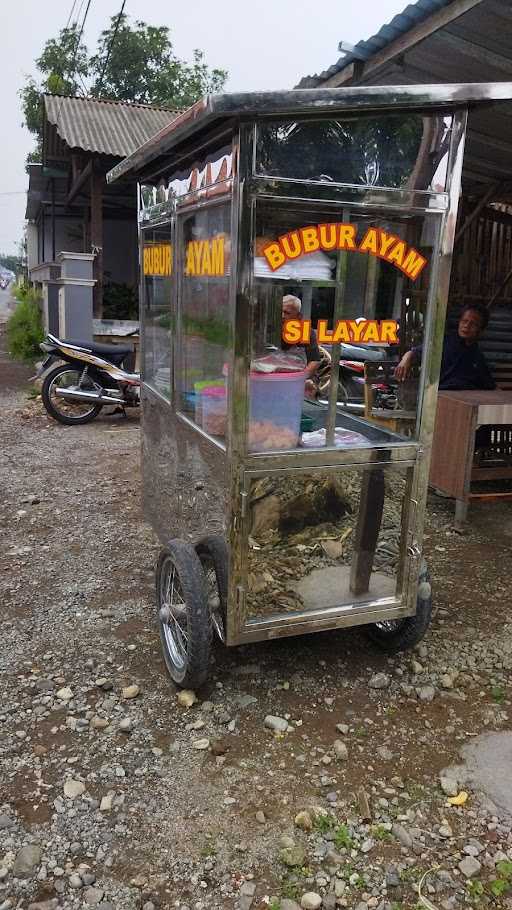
114, 794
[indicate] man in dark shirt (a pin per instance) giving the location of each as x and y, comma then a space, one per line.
463, 365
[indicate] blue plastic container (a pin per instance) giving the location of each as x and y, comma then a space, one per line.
275, 410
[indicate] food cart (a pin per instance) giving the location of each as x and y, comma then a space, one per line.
279, 515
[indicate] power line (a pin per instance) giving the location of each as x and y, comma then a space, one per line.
109, 49
75, 54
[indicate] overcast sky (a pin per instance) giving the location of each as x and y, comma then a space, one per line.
290, 39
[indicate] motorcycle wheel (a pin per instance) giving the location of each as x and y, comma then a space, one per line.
395, 635
184, 618
65, 411
213, 553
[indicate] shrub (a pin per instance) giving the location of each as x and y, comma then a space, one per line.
25, 325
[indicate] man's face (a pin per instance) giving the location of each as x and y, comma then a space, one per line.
470, 326
290, 310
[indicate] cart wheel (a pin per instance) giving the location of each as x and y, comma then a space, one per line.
213, 553
394, 635
183, 615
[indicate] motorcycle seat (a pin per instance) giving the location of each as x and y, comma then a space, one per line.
117, 350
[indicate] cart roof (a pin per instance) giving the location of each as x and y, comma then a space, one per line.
213, 110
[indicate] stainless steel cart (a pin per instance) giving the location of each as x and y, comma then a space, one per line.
280, 516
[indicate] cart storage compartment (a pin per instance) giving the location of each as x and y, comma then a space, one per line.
275, 410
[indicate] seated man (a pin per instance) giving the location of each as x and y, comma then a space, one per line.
291, 309
463, 365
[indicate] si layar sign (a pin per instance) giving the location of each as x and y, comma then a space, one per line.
342, 236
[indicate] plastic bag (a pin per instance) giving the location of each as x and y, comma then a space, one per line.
276, 361
342, 438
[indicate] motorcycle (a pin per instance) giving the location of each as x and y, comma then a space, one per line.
352, 378
92, 376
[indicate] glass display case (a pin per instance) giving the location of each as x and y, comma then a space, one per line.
284, 237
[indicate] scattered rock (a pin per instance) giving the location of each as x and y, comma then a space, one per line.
73, 788
260, 817
27, 861
340, 750
426, 693
186, 698
276, 724
98, 723
385, 753
93, 896
303, 820
293, 856
201, 744
126, 725
310, 901
130, 691
469, 866
449, 785
402, 835
75, 880
65, 694
379, 681
247, 892
107, 802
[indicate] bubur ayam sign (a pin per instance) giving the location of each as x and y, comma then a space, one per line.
202, 258
335, 236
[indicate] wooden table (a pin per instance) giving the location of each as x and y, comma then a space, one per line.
453, 467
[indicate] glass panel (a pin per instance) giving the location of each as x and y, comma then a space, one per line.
205, 323
396, 151
323, 539
157, 271
212, 170
336, 283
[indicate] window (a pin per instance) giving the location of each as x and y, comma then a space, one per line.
204, 318
402, 151
157, 270
358, 280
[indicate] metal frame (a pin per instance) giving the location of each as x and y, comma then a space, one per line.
243, 111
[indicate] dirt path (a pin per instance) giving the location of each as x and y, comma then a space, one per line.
106, 800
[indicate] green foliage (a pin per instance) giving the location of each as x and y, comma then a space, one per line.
503, 884
498, 695
11, 262
142, 68
342, 837
120, 301
475, 890
25, 325
381, 833
216, 331
504, 867
323, 823
290, 889
498, 887
274, 904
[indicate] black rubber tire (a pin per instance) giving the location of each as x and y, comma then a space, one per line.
406, 633
63, 418
194, 669
213, 550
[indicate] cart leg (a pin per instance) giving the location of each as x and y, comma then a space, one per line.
367, 531
461, 511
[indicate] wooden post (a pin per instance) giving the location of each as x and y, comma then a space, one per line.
367, 531
97, 179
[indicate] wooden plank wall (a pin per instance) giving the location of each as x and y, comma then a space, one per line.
483, 257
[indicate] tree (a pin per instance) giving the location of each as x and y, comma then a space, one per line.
132, 63
142, 67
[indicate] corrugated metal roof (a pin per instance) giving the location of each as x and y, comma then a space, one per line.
106, 127
399, 25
